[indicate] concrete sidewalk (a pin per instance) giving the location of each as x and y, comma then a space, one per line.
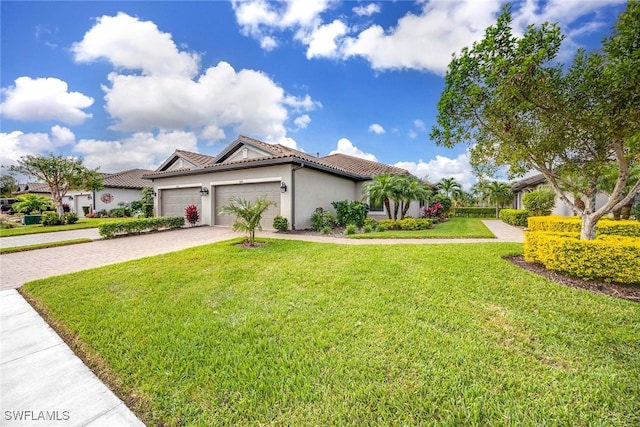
41, 376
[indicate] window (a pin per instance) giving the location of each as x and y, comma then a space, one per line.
373, 207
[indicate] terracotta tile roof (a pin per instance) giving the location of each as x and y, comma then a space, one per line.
528, 182
32, 187
200, 160
360, 166
127, 179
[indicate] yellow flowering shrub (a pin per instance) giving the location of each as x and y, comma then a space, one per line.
560, 224
610, 258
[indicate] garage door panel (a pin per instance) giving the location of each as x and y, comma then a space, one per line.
174, 201
250, 192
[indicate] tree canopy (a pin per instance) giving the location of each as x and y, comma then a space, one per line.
61, 174
511, 100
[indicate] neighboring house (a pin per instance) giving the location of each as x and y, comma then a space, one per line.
538, 182
297, 182
120, 189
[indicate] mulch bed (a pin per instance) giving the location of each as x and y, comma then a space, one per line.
618, 290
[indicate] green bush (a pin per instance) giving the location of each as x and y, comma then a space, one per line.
351, 229
367, 228
473, 212
408, 224
280, 223
388, 224
140, 225
610, 258
539, 202
424, 223
71, 218
517, 217
326, 230
372, 223
350, 212
51, 218
606, 226
322, 218
120, 212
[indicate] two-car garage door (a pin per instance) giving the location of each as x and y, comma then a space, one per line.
174, 201
250, 192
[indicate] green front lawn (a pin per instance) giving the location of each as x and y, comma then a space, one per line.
454, 228
297, 333
21, 230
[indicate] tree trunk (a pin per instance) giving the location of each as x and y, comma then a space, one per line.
387, 205
405, 209
396, 207
626, 211
588, 230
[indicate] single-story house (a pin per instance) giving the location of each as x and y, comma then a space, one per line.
120, 189
298, 183
538, 182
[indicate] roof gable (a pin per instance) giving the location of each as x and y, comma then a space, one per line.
185, 160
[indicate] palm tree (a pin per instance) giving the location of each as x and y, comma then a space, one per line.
248, 215
499, 193
411, 188
28, 203
381, 190
450, 187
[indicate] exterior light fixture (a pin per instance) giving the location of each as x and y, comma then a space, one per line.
204, 191
70, 197
283, 187
89, 197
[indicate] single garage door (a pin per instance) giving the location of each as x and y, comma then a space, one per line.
250, 192
174, 201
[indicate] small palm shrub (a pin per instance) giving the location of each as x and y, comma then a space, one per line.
192, 215
351, 229
280, 223
367, 228
248, 215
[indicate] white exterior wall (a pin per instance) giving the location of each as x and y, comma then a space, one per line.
316, 189
101, 200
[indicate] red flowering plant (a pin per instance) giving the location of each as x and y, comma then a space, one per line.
192, 215
433, 211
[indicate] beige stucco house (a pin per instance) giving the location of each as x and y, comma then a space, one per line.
537, 182
120, 189
297, 182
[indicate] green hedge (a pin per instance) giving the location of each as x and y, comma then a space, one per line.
606, 226
610, 258
141, 225
405, 224
473, 212
517, 217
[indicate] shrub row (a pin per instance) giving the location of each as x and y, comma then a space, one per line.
610, 258
474, 212
405, 224
517, 217
557, 224
136, 226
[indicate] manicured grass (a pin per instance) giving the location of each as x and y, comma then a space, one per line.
39, 228
297, 333
454, 228
43, 245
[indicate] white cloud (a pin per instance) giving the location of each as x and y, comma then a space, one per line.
322, 41
302, 121
268, 43
367, 10
346, 147
141, 150
170, 93
17, 143
126, 42
443, 167
44, 99
419, 124
413, 134
376, 128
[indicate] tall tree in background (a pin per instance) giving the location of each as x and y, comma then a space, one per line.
499, 194
61, 174
450, 187
7, 185
515, 104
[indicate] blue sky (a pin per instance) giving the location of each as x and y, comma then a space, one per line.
124, 84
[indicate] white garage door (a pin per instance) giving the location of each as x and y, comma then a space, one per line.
250, 192
174, 201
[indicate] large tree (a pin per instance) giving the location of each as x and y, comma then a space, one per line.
60, 173
450, 187
517, 106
